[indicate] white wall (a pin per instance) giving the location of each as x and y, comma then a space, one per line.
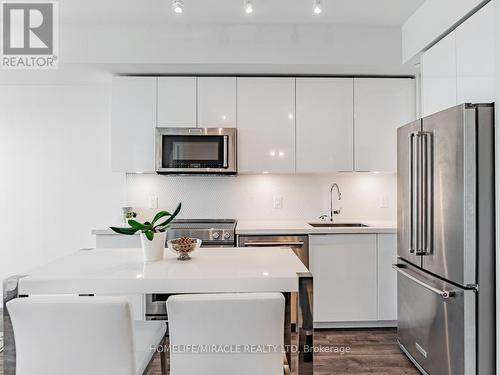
56, 183
251, 196
431, 21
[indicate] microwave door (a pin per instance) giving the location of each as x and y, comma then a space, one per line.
196, 151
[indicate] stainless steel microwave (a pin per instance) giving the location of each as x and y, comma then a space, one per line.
196, 150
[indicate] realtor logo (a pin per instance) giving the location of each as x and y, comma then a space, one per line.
29, 35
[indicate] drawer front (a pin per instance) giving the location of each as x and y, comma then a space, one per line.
438, 332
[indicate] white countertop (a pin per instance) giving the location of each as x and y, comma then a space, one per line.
122, 271
256, 227
279, 227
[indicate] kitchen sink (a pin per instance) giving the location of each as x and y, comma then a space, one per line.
338, 225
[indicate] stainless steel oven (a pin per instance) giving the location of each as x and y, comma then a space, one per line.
196, 151
215, 233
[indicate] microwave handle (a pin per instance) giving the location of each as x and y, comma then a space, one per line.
224, 162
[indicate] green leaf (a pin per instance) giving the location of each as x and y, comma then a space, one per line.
172, 217
124, 230
137, 225
159, 215
149, 235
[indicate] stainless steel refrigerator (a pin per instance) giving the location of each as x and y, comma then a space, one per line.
446, 241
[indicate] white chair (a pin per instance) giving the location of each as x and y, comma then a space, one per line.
61, 335
228, 321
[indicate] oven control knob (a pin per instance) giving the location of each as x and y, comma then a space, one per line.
227, 235
215, 235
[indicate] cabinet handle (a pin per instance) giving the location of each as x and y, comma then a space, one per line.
258, 243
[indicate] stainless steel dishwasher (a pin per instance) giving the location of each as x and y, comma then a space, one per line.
299, 245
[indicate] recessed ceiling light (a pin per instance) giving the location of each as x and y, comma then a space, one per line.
248, 7
178, 6
317, 9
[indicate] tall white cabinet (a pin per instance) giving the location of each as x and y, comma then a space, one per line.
475, 42
460, 67
216, 102
177, 102
439, 76
133, 112
381, 105
266, 125
324, 124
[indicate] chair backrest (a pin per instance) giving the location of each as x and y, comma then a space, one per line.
231, 333
61, 335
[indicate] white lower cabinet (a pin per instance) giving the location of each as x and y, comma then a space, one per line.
354, 284
345, 278
387, 279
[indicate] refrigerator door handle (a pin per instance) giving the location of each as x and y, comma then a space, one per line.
417, 192
445, 294
427, 189
411, 191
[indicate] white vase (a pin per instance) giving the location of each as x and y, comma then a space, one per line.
153, 250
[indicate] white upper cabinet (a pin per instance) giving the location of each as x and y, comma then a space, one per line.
216, 102
133, 124
381, 105
460, 67
324, 124
266, 125
439, 76
475, 41
177, 102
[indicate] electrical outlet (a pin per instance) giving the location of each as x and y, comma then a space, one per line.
278, 202
153, 201
384, 202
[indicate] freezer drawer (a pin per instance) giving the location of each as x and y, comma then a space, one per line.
436, 323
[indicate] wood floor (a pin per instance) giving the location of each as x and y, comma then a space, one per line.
372, 351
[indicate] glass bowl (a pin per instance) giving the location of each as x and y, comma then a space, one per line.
183, 250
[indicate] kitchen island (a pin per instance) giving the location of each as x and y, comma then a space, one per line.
212, 270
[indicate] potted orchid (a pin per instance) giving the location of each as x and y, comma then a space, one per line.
153, 234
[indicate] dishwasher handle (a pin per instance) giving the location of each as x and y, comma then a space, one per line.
445, 294
273, 243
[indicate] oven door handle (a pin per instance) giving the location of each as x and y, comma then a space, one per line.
445, 294
272, 243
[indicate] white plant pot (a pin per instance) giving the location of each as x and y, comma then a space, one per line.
153, 250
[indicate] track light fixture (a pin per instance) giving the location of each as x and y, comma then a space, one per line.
178, 6
248, 7
317, 9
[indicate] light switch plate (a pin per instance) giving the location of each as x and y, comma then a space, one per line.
278, 202
153, 201
384, 202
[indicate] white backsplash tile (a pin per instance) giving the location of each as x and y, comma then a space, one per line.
253, 196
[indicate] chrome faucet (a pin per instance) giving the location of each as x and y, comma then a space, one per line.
339, 196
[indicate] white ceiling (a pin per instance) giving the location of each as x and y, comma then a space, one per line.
355, 12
